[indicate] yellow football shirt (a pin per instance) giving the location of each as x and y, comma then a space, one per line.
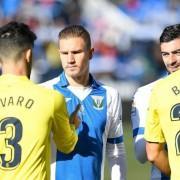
28, 113
163, 119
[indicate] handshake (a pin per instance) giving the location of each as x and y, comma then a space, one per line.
74, 117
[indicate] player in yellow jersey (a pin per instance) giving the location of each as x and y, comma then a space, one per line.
163, 119
28, 112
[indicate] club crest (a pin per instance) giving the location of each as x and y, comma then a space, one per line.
98, 102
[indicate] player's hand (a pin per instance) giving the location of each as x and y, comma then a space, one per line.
74, 117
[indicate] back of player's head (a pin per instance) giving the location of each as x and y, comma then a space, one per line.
15, 38
170, 33
76, 31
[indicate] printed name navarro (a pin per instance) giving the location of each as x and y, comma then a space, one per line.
16, 101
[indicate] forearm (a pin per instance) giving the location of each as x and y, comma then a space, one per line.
138, 118
158, 156
162, 163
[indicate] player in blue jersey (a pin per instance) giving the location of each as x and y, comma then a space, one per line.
100, 132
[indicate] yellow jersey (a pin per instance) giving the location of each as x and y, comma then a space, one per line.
163, 119
28, 113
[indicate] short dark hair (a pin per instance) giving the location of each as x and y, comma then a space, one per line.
15, 38
76, 31
170, 33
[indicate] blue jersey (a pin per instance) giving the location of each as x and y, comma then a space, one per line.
100, 132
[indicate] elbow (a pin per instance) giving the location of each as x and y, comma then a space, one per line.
151, 157
68, 146
140, 151
66, 149
152, 153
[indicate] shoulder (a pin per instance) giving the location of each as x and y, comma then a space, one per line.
53, 96
161, 84
112, 92
46, 92
145, 91
148, 87
113, 96
51, 82
170, 79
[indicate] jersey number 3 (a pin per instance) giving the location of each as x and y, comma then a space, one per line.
10, 135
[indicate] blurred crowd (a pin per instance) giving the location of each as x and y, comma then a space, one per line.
125, 34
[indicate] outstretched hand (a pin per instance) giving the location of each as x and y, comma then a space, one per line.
74, 117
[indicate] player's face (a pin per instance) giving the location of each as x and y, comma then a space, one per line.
170, 52
75, 56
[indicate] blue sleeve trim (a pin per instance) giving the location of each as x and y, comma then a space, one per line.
115, 140
138, 131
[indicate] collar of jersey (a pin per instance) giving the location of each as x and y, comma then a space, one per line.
11, 77
64, 82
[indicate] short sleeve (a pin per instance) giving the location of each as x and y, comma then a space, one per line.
153, 131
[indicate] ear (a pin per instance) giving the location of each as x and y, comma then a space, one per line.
28, 55
91, 52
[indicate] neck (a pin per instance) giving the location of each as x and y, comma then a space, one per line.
78, 81
18, 68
